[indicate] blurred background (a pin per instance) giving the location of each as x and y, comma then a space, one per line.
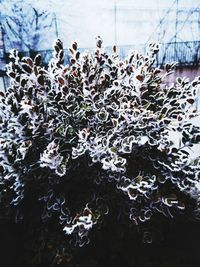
32, 26
35, 24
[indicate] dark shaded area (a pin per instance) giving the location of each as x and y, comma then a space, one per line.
115, 243
178, 246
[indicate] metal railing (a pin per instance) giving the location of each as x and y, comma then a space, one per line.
184, 53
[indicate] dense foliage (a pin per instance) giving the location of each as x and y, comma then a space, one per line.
91, 140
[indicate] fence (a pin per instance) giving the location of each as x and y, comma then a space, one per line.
184, 53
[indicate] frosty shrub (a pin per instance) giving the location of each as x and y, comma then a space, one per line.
89, 140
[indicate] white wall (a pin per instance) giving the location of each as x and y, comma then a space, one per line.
136, 21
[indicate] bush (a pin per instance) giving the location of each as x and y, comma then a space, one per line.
88, 144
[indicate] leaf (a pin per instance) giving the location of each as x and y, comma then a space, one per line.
30, 62
59, 44
74, 45
61, 55
58, 97
37, 60
109, 61
140, 77
12, 74
23, 82
114, 48
56, 48
194, 83
77, 55
26, 68
167, 67
40, 80
180, 205
167, 121
113, 149
190, 100
61, 80
157, 71
185, 152
116, 83
99, 42
179, 80
91, 77
17, 78
71, 51
73, 61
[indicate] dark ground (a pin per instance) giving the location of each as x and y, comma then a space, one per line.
178, 247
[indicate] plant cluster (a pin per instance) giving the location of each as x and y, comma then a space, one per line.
91, 139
